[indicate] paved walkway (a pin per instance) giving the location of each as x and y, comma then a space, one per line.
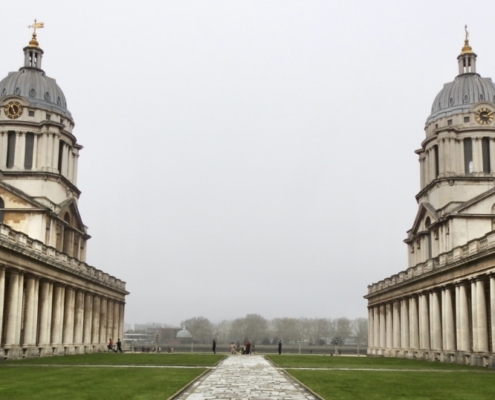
246, 377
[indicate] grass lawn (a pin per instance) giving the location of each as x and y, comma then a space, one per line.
440, 381
123, 359
74, 383
317, 361
397, 385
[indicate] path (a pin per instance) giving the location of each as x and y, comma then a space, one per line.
245, 377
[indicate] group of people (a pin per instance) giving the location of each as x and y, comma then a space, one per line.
111, 346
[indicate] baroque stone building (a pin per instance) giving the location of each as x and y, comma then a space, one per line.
443, 306
51, 301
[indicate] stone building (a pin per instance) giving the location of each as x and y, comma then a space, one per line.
51, 301
443, 306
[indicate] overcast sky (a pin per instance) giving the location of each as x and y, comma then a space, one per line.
249, 156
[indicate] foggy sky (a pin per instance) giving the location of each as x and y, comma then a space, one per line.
249, 156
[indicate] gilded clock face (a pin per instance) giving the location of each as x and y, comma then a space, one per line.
13, 109
484, 116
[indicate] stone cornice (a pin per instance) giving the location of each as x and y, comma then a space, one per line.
23, 244
474, 249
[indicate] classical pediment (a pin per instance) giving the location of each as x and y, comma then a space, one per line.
69, 212
425, 210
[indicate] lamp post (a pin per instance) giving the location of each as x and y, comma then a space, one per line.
157, 337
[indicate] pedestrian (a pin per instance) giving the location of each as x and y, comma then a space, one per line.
252, 348
110, 344
232, 348
119, 345
214, 347
238, 347
279, 347
248, 347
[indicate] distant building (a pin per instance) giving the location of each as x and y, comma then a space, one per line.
443, 306
51, 301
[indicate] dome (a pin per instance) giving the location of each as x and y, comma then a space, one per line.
40, 90
183, 334
460, 95
32, 83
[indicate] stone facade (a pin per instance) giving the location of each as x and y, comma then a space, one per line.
443, 306
51, 301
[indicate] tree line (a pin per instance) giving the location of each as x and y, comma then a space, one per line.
313, 331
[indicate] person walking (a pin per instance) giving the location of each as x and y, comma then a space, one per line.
279, 347
232, 348
110, 344
248, 347
119, 345
214, 347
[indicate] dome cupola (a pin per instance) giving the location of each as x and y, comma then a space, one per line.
32, 83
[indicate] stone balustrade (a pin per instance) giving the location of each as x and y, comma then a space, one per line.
470, 249
34, 248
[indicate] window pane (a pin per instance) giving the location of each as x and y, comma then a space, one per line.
28, 156
11, 149
468, 156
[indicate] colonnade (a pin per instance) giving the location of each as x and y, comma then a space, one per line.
458, 317
39, 316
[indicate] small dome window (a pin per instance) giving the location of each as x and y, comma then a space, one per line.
4, 92
451, 101
17, 91
466, 98
439, 105
47, 95
32, 93
482, 97
59, 101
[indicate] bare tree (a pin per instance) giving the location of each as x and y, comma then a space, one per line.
342, 328
287, 329
360, 330
222, 331
253, 327
200, 327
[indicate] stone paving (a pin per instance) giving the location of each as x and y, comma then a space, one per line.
245, 377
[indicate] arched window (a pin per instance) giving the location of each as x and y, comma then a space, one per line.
493, 219
2, 206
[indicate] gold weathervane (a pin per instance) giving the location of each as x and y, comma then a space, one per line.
37, 25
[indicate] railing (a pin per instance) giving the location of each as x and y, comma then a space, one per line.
468, 250
36, 248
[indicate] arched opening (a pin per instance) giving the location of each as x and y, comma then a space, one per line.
493, 219
67, 234
2, 206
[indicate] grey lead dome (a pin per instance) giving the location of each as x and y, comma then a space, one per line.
459, 96
32, 83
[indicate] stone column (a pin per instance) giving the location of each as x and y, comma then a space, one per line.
79, 317
492, 301
69, 311
116, 320
482, 316
464, 318
492, 155
396, 324
12, 309
95, 325
45, 313
383, 331
413, 323
122, 320
20, 309
57, 314
88, 316
404, 324
31, 312
448, 325
110, 320
388, 326
2, 294
424, 323
103, 321
436, 321
376, 326
474, 315
370, 328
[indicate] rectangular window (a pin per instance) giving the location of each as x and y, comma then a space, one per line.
31, 113
485, 145
10, 149
28, 155
60, 155
48, 117
468, 156
466, 119
449, 122
437, 161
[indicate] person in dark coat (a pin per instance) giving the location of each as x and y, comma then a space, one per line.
214, 347
279, 347
119, 345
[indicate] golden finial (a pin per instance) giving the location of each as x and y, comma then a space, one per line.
467, 48
37, 25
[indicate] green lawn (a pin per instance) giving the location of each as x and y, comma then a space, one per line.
373, 385
124, 359
318, 361
88, 383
